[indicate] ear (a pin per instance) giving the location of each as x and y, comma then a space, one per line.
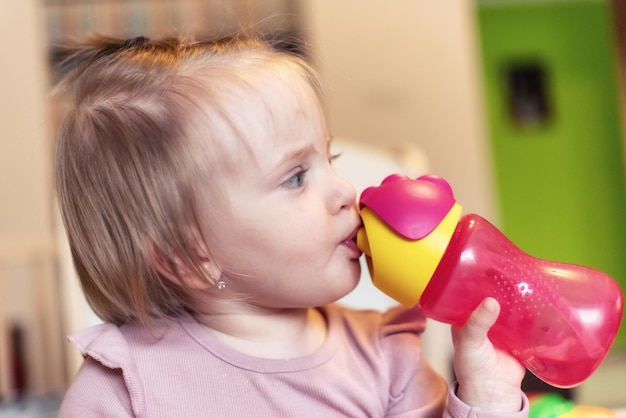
177, 272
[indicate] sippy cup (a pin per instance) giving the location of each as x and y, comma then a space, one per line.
559, 320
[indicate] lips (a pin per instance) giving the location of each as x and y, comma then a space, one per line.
350, 242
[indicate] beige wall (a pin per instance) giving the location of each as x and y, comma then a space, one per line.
407, 72
24, 132
29, 296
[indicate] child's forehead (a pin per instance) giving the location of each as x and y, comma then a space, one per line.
265, 103
258, 111
281, 86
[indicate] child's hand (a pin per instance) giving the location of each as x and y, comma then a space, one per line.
488, 378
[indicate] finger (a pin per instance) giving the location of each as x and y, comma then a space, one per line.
480, 321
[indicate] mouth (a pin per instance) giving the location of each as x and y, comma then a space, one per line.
351, 242
354, 234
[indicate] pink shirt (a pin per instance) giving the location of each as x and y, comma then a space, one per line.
369, 366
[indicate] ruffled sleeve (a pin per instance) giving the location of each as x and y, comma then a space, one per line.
107, 384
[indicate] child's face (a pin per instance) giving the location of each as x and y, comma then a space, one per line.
289, 239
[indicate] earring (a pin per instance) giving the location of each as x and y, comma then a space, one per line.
220, 284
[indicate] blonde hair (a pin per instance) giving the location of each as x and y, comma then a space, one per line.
127, 177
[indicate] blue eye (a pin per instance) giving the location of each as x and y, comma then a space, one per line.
294, 181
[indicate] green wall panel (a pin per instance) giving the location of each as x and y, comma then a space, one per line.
553, 112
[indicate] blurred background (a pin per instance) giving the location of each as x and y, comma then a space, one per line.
519, 104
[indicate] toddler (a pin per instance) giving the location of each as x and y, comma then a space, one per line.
211, 234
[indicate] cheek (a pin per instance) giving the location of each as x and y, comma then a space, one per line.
264, 237
286, 246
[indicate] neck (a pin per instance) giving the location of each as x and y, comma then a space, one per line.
269, 333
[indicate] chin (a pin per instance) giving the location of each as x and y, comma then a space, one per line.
349, 283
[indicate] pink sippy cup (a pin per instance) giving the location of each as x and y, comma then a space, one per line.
559, 320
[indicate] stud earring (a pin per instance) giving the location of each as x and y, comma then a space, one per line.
220, 284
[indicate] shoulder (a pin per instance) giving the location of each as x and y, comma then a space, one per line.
390, 342
115, 346
104, 343
392, 337
97, 391
112, 376
395, 321
100, 388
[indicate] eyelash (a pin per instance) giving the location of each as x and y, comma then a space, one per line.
299, 176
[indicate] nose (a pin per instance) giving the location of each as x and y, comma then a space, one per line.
343, 193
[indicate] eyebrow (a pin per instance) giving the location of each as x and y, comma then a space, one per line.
297, 153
